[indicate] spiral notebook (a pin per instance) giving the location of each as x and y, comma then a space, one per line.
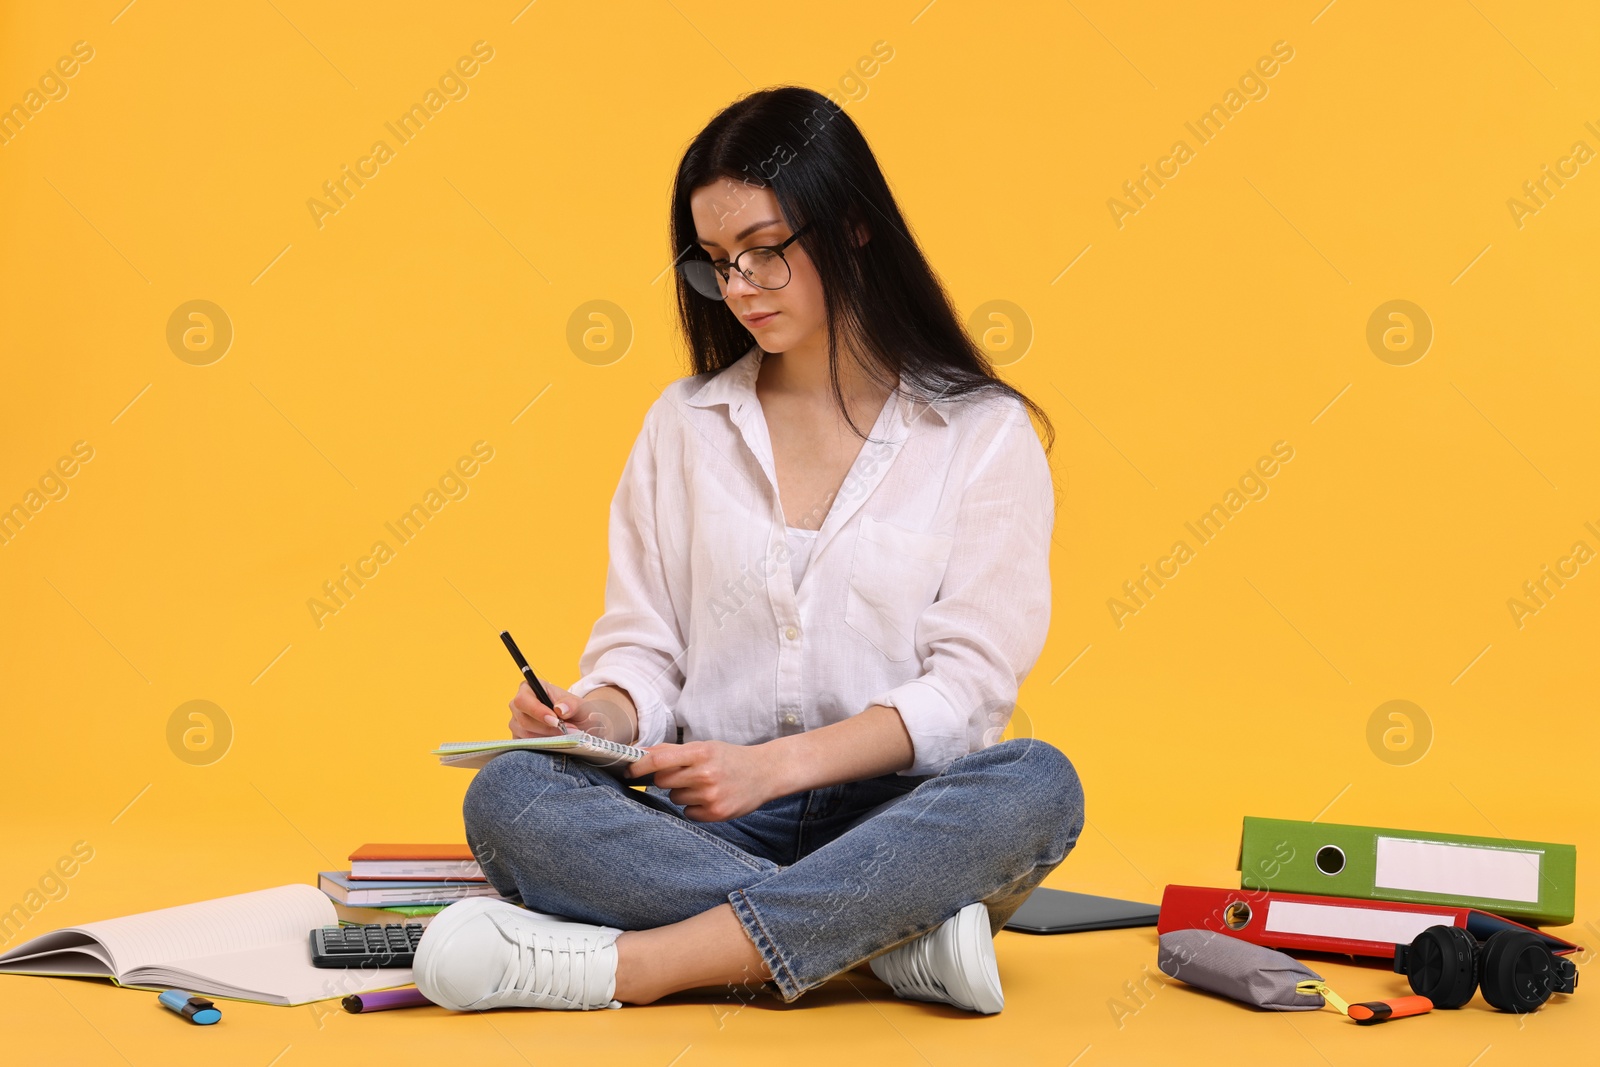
250, 946
576, 743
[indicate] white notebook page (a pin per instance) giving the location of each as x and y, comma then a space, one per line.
214, 927
251, 945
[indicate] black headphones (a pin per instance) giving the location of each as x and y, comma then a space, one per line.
1515, 968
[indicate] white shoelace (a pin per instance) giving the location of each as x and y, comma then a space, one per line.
910, 973
549, 966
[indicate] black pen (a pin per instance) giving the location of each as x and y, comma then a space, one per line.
527, 672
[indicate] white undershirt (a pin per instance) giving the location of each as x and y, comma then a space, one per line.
800, 542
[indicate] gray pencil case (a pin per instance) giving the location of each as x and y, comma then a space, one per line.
1237, 969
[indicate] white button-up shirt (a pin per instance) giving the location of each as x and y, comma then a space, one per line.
927, 588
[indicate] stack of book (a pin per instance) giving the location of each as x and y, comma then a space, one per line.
400, 883
1364, 890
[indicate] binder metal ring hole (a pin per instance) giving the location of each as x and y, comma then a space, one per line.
1236, 916
1330, 859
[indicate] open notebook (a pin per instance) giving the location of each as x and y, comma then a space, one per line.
252, 946
576, 743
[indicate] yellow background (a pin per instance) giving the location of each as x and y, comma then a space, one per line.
368, 354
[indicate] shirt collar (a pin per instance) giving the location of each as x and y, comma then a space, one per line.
735, 385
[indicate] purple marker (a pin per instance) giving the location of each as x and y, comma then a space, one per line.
384, 999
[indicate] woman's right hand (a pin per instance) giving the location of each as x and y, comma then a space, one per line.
594, 714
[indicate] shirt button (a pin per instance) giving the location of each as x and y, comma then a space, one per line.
791, 633
790, 719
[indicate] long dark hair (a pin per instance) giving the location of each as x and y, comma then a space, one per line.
882, 295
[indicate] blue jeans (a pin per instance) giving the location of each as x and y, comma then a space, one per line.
821, 880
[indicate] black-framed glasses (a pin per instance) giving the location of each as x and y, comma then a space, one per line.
763, 267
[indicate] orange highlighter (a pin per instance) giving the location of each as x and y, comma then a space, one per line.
1377, 1011
1368, 1012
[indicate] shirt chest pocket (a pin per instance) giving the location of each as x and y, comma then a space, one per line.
894, 575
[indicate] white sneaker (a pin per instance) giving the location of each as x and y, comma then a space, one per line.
953, 964
480, 953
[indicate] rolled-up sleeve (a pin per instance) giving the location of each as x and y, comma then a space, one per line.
636, 645
985, 630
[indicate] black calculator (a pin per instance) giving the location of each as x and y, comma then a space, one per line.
375, 945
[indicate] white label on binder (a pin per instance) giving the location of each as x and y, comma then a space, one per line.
1458, 870
1358, 924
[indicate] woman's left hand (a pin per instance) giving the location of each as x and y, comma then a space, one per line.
710, 780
